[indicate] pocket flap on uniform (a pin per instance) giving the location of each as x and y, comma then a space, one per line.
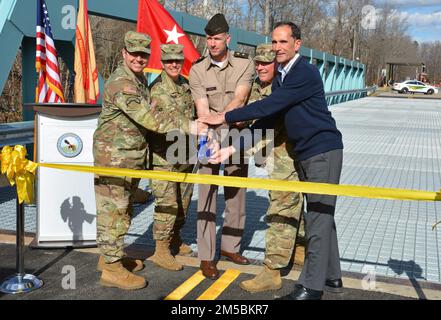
211, 89
230, 87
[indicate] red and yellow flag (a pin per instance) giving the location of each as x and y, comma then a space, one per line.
86, 74
155, 21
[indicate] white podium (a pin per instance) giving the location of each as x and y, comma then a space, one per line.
65, 200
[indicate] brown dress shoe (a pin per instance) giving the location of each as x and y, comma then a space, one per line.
209, 270
237, 258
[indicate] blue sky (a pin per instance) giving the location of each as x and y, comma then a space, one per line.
423, 16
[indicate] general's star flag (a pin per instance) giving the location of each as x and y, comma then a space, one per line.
155, 21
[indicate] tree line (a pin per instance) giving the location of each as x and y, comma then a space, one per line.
353, 29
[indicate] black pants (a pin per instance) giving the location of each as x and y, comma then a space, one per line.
322, 257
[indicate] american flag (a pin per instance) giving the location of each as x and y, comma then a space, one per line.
49, 85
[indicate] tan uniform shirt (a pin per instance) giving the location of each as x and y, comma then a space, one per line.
219, 84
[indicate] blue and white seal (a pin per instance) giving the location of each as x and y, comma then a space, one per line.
69, 145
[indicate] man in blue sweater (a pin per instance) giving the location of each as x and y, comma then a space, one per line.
298, 94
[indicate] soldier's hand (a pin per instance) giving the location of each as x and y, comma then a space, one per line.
221, 155
213, 145
213, 119
240, 125
198, 128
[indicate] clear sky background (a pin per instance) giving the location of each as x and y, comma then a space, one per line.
423, 16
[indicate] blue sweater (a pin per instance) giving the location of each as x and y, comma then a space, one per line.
301, 100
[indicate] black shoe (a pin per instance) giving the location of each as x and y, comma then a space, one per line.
334, 286
302, 293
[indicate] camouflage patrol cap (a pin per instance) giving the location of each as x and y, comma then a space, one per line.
265, 53
137, 42
217, 24
172, 52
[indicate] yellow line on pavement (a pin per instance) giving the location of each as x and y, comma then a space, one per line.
181, 291
220, 285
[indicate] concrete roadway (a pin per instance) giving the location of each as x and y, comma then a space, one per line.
48, 265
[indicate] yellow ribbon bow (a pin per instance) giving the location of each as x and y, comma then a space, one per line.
20, 171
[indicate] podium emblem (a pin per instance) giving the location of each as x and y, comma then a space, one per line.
69, 145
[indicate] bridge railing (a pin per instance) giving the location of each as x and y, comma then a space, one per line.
16, 133
336, 97
23, 132
17, 34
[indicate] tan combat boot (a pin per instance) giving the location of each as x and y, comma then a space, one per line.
178, 246
299, 257
163, 257
268, 279
185, 249
115, 275
131, 264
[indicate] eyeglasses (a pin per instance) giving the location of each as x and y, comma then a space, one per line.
174, 60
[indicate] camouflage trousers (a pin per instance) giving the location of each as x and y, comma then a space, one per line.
283, 217
114, 199
171, 205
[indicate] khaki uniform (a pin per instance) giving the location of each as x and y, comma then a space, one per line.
120, 141
285, 208
218, 85
171, 205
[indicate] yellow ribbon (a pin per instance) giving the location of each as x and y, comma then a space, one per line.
20, 171
255, 183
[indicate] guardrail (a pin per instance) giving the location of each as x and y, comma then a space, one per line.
347, 95
23, 132
16, 133
345, 92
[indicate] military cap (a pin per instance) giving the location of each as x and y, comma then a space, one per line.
172, 52
137, 42
265, 53
217, 24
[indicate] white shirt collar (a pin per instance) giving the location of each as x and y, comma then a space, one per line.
284, 70
219, 64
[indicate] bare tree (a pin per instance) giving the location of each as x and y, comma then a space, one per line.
430, 53
11, 98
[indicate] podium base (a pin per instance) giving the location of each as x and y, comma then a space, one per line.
20, 283
35, 244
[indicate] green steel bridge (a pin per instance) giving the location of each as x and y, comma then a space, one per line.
343, 79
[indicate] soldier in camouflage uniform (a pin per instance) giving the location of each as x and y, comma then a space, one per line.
120, 141
285, 207
172, 93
